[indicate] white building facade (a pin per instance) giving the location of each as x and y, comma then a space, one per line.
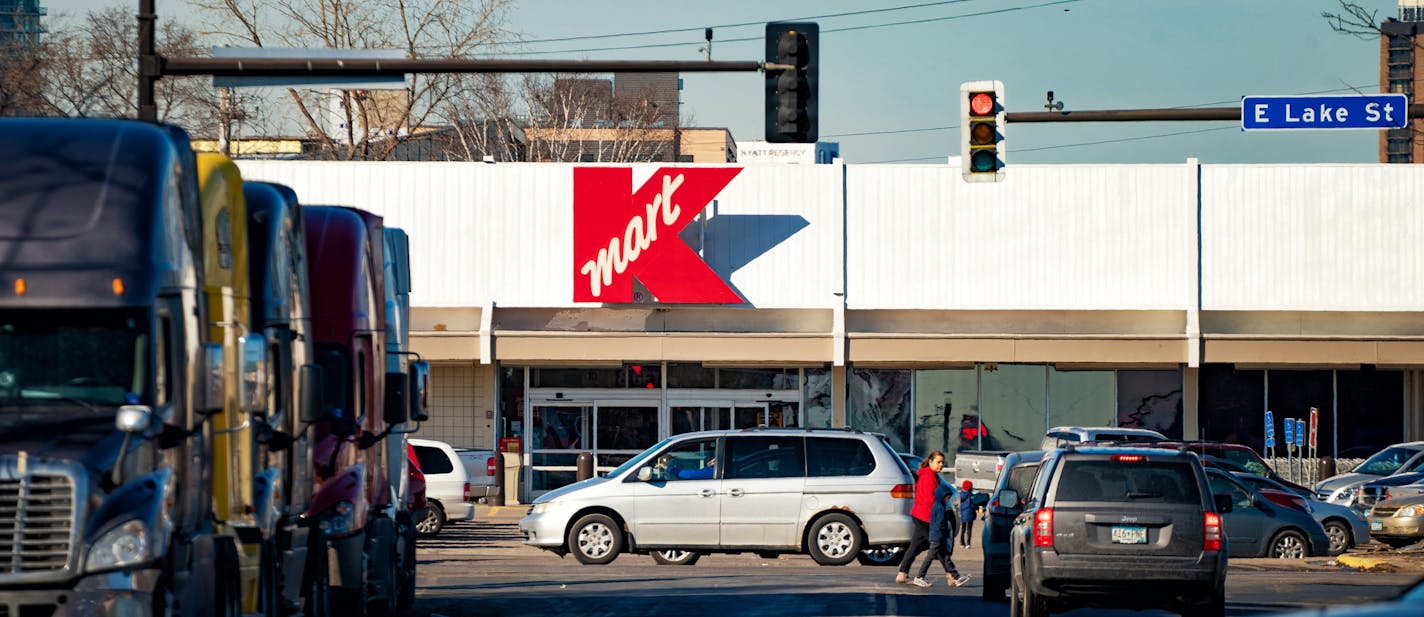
898, 299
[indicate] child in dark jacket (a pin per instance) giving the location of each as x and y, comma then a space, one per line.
942, 526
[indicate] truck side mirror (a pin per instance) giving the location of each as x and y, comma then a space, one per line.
252, 381
310, 402
209, 395
397, 397
419, 390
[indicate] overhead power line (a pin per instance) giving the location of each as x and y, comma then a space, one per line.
825, 31
1076, 145
736, 25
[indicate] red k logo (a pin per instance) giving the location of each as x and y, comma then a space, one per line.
620, 234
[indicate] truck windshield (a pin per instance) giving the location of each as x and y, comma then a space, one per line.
79, 358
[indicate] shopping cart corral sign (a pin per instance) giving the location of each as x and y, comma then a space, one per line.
1349, 111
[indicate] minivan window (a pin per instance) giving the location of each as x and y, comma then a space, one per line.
689, 460
1121, 481
828, 456
765, 457
433, 460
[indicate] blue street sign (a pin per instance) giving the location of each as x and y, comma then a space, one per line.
1270, 441
1300, 432
1270, 427
1345, 111
1290, 431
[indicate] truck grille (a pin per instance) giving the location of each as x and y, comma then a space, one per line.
36, 511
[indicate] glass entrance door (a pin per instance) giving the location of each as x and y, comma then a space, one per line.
558, 432
623, 429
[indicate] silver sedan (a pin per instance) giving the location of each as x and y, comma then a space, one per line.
1344, 525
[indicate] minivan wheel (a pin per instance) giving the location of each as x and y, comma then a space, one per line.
834, 540
1339, 534
881, 556
676, 557
595, 540
1288, 545
432, 520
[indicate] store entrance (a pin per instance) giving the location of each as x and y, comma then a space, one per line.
615, 425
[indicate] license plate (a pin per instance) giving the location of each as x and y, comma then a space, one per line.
1376, 525
1129, 535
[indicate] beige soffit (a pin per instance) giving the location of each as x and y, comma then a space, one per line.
749, 349
433, 346
1322, 352
1134, 350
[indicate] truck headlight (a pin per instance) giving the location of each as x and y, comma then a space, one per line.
338, 520
125, 545
1414, 510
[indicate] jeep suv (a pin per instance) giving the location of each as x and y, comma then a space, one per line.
1133, 528
829, 493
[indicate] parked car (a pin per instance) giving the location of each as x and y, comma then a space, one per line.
1392, 486
1398, 522
447, 486
1133, 528
1343, 525
1255, 527
999, 519
1397, 486
1060, 436
1238, 454
482, 469
1344, 488
825, 492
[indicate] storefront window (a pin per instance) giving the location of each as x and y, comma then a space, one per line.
1232, 405
627, 428
1080, 398
944, 398
1371, 412
817, 392
511, 402
1150, 400
561, 428
690, 375
631, 375
880, 403
757, 378
1014, 400
1291, 394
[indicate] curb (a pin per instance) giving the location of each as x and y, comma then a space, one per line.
1392, 563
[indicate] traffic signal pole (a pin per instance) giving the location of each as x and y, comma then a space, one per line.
152, 67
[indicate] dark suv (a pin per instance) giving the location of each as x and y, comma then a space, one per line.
1133, 528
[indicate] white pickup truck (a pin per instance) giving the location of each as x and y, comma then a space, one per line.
980, 467
483, 475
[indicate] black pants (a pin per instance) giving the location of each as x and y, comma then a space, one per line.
942, 551
966, 532
919, 539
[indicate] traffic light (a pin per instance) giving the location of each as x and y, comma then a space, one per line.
981, 129
791, 92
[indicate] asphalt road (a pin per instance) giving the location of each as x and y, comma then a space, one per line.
482, 568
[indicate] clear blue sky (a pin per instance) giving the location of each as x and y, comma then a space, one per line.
1094, 54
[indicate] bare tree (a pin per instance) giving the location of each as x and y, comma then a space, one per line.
1354, 20
354, 124
481, 120
573, 118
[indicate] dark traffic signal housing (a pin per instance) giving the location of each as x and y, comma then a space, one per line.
981, 129
791, 92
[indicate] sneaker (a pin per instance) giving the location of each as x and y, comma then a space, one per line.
901, 578
959, 581
920, 582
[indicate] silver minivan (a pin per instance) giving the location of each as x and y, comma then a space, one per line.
825, 492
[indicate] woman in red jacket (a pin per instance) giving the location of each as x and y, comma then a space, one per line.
926, 482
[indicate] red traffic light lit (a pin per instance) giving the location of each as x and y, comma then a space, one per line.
981, 104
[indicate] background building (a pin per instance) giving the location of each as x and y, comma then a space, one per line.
21, 22
1401, 72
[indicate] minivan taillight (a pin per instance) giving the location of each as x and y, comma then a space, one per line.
489, 466
469, 497
903, 491
1043, 527
1211, 540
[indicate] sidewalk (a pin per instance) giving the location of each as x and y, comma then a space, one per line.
502, 514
